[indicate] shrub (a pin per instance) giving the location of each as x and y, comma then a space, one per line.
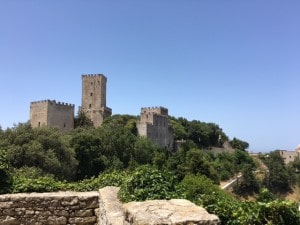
40, 184
106, 179
146, 182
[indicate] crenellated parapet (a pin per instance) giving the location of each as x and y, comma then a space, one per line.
52, 102
157, 110
93, 75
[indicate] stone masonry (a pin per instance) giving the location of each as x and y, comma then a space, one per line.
61, 115
94, 98
57, 208
53, 114
154, 125
97, 208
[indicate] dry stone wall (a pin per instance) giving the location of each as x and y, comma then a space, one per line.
97, 208
49, 208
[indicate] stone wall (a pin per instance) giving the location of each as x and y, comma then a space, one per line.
98, 208
49, 208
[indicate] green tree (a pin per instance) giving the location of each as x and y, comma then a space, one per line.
40, 147
277, 179
90, 153
81, 120
239, 144
5, 176
197, 162
117, 121
144, 150
178, 129
249, 184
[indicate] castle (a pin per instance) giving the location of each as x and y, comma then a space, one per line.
290, 156
61, 115
52, 113
153, 122
154, 125
94, 98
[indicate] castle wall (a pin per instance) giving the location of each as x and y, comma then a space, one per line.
39, 113
93, 101
289, 156
52, 114
154, 125
61, 115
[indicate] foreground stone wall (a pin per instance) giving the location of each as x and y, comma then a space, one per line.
49, 208
98, 208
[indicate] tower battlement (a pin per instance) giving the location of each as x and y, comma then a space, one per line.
93, 75
52, 102
155, 110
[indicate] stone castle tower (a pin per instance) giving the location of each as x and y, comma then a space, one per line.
93, 102
154, 125
52, 114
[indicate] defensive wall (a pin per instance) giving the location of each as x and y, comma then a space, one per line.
97, 208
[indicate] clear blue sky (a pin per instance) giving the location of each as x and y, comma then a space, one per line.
235, 63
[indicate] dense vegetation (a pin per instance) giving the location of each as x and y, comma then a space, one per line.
86, 158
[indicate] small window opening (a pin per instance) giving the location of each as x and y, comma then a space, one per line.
91, 94
90, 106
64, 125
39, 124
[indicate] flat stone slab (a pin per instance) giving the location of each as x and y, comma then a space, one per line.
171, 212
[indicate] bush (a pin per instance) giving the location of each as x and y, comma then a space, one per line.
146, 182
40, 184
93, 184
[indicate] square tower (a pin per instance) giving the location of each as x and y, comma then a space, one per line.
93, 102
52, 114
154, 125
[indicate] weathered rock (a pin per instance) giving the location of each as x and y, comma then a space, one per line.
56, 208
10, 221
171, 212
111, 210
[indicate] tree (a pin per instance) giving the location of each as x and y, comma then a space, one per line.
178, 129
249, 183
90, 154
40, 147
144, 150
116, 121
5, 176
198, 163
81, 120
239, 144
278, 178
